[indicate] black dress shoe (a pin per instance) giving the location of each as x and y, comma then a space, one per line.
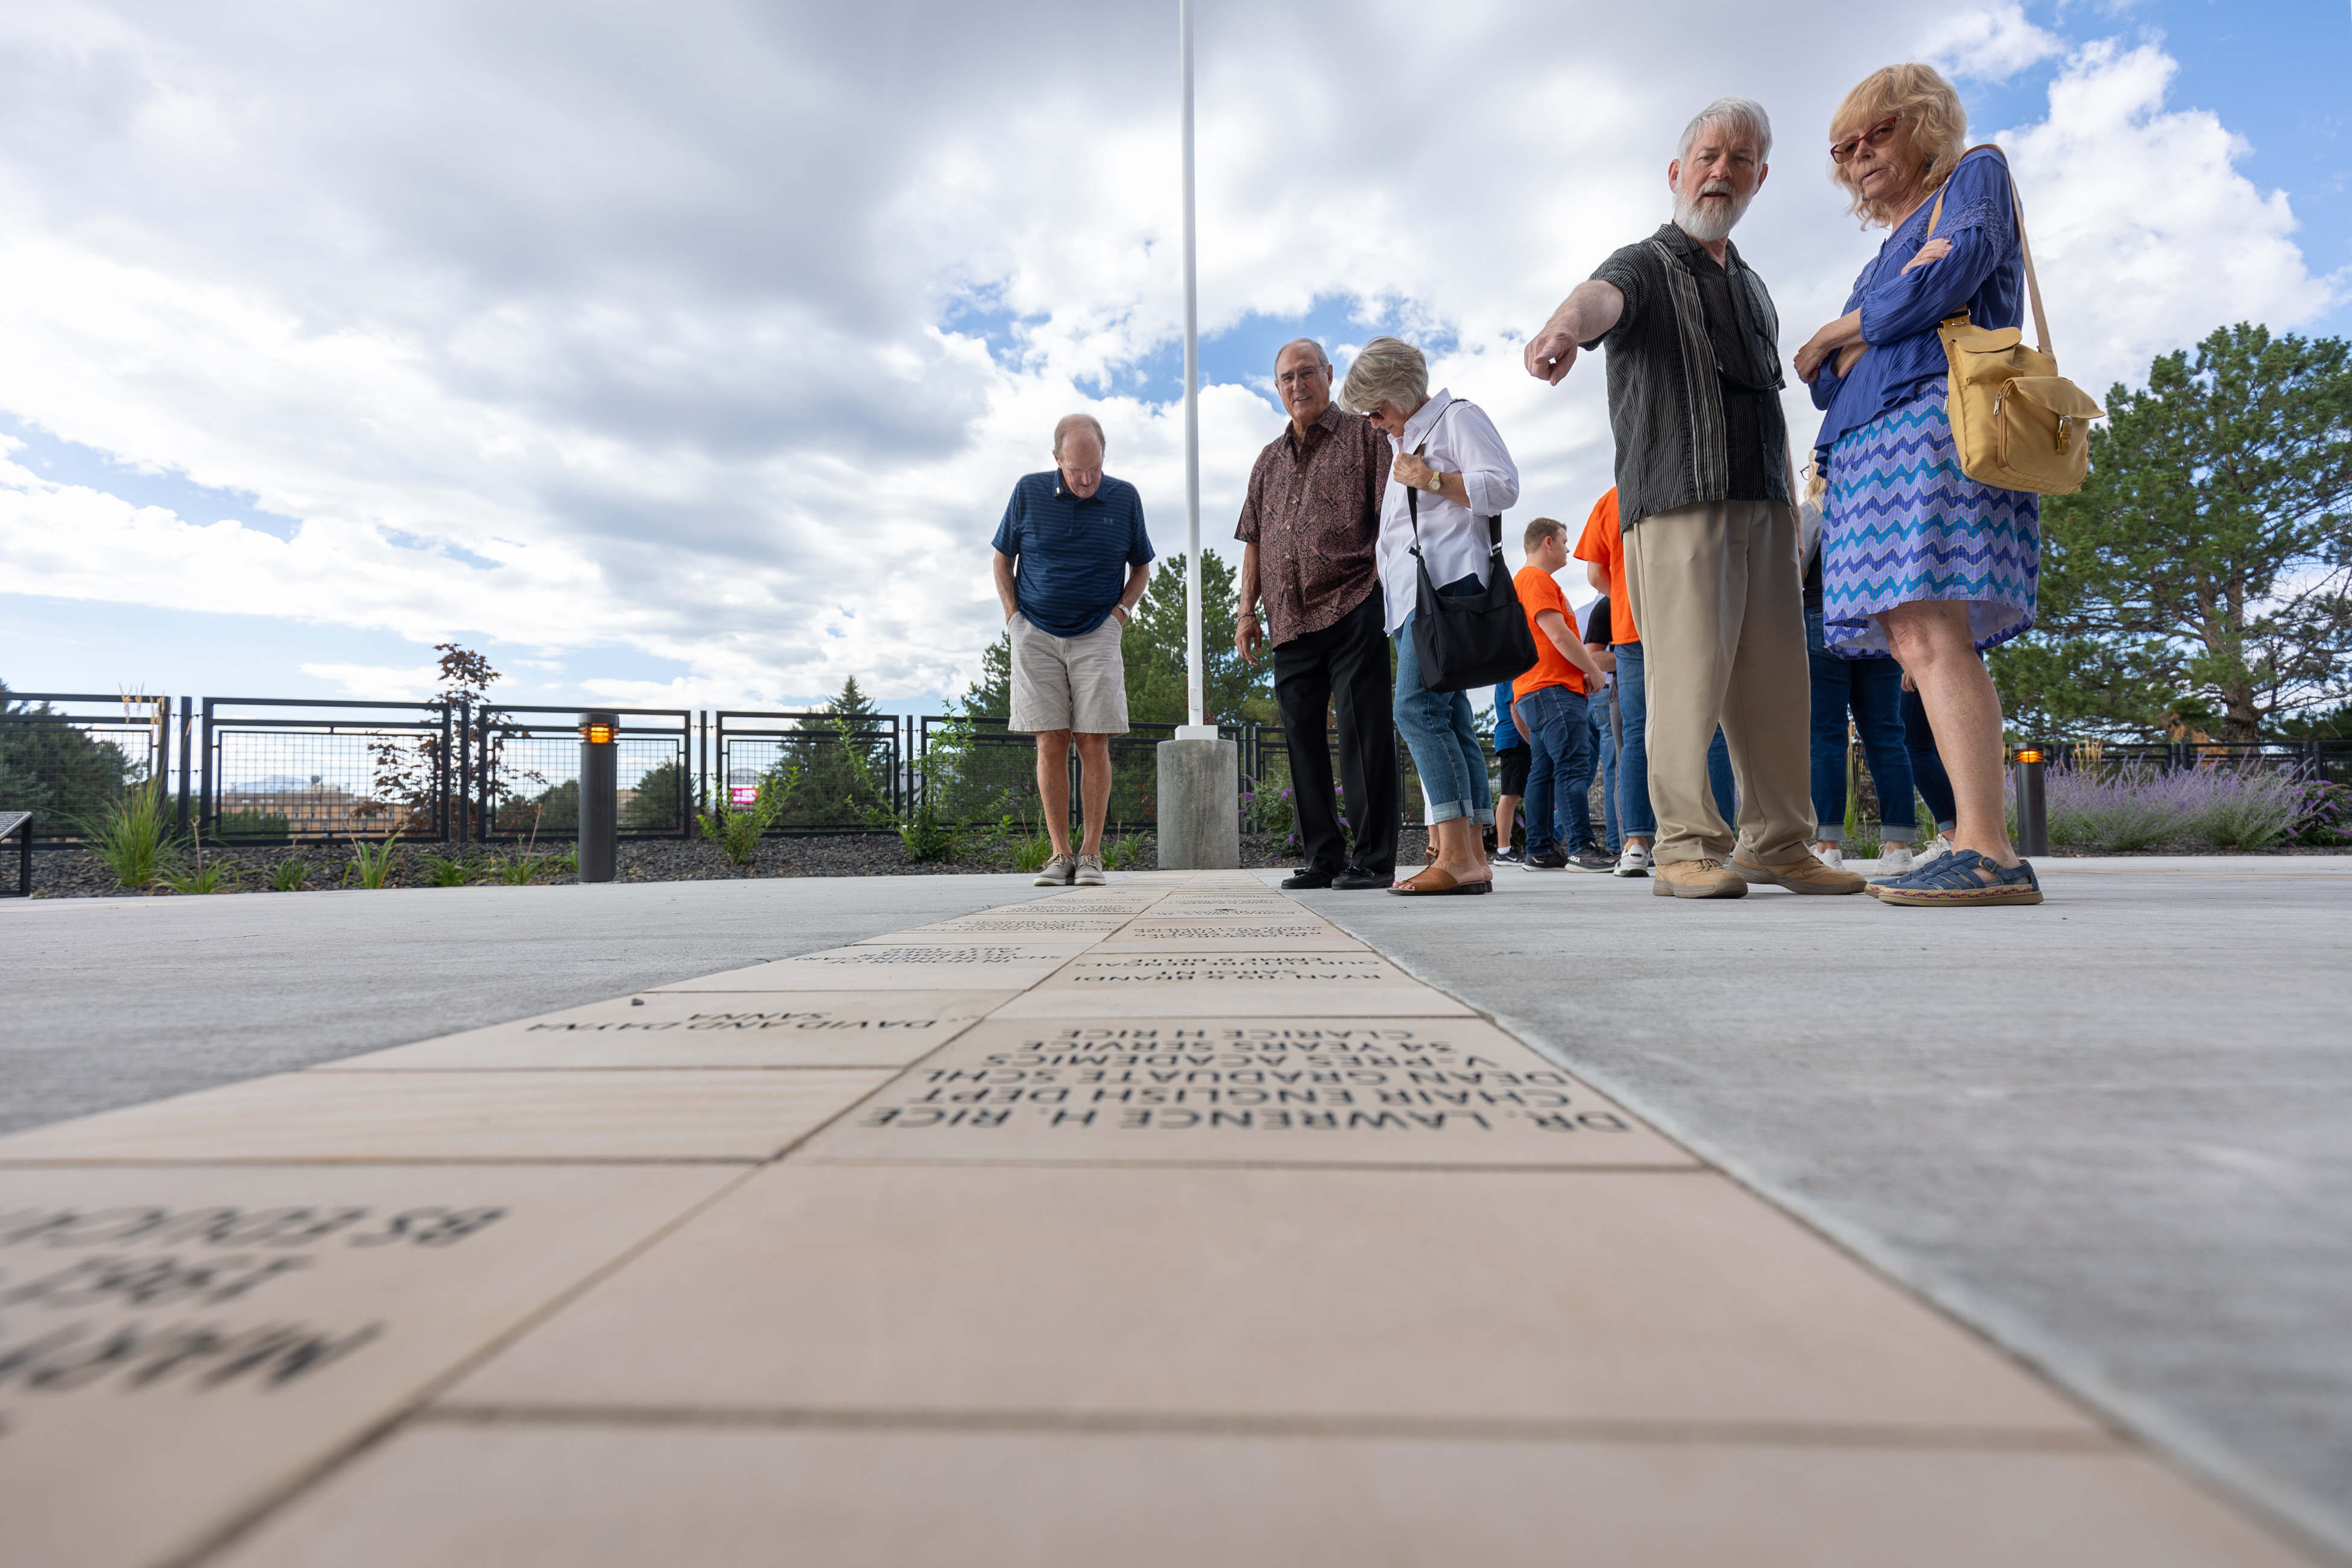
1355, 881
1298, 881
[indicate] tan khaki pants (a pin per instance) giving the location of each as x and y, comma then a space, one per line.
1721, 609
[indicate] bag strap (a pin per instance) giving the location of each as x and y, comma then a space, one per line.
2017, 208
1412, 496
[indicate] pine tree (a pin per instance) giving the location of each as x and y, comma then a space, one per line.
2200, 580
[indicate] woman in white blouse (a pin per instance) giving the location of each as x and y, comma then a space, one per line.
1450, 452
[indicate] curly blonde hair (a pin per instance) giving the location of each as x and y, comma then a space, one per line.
1928, 104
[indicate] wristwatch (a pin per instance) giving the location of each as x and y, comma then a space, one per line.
1435, 482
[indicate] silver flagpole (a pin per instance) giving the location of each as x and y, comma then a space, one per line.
1195, 694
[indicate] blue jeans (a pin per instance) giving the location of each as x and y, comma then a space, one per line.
1927, 775
1635, 817
1604, 746
1872, 689
1559, 774
1442, 738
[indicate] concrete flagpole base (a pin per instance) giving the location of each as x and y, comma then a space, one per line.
1200, 801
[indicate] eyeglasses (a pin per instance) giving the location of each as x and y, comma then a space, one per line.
1876, 136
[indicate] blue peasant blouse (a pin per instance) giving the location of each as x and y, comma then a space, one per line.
1900, 311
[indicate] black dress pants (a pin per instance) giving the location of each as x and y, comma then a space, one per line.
1345, 665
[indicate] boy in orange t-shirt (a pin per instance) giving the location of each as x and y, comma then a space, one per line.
1549, 702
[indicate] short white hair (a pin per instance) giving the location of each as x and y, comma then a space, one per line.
1735, 114
1387, 370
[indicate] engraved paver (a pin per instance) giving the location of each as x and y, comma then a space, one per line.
1025, 926
701, 1029
178, 1345
898, 966
316, 1117
1278, 1091
1286, 985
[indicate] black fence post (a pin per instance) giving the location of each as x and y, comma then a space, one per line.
600, 807
187, 730
2032, 816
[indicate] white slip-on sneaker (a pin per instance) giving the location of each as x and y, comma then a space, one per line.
1633, 862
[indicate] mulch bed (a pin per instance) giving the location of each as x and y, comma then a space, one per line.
77, 874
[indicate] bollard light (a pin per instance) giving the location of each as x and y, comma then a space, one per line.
2033, 816
600, 763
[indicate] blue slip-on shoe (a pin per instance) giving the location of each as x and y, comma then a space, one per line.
1961, 877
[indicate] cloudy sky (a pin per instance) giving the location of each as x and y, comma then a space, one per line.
686, 354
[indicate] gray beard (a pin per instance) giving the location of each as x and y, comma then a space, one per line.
1706, 228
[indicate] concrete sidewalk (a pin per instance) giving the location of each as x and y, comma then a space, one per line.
2113, 1130
116, 1001
1174, 1223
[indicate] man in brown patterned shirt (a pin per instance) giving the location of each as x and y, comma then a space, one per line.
1308, 531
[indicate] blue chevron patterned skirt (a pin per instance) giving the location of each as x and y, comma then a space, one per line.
1904, 523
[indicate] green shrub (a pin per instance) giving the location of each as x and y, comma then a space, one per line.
133, 837
446, 871
288, 876
373, 864
1124, 853
929, 837
216, 878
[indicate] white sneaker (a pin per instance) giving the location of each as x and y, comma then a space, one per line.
1633, 862
1090, 871
1832, 857
1056, 872
1894, 860
1939, 845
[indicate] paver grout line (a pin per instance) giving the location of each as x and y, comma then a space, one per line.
1757, 1434
851, 1162
265, 1163
2040, 1356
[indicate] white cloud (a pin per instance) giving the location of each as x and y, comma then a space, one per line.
674, 317
379, 683
1991, 43
2145, 235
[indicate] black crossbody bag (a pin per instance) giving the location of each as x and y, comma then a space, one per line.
1468, 640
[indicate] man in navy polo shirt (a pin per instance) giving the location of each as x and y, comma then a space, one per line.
1072, 559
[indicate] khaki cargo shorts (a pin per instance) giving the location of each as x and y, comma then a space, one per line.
1068, 683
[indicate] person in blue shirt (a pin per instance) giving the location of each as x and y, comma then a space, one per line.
1072, 558
1511, 756
1920, 563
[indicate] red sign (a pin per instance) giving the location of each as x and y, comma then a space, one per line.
743, 794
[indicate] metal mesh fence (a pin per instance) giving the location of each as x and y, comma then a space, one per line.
68, 757
526, 774
274, 770
819, 772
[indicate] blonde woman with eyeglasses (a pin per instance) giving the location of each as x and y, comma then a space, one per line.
1920, 563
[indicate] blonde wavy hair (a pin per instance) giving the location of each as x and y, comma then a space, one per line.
1929, 105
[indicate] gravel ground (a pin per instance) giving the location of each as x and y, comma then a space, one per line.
75, 874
